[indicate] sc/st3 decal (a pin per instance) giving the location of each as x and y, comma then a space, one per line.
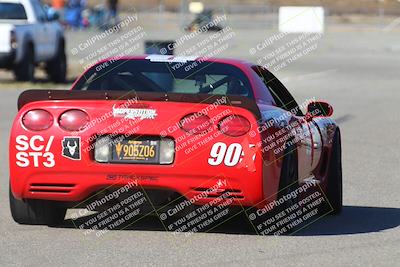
34, 151
71, 147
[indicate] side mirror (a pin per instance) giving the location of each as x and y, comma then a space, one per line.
319, 109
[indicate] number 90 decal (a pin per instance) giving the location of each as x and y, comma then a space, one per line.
229, 155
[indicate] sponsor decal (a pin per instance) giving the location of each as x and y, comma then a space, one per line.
34, 151
71, 147
135, 113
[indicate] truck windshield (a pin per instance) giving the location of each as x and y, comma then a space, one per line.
12, 11
191, 77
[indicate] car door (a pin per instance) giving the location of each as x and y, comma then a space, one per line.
307, 132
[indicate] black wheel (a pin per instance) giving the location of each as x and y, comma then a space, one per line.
57, 68
287, 184
334, 191
34, 211
25, 70
289, 177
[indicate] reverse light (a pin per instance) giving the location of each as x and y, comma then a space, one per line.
167, 151
234, 125
73, 120
195, 123
37, 120
102, 151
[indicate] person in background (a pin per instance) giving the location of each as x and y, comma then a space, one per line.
112, 13
73, 13
58, 6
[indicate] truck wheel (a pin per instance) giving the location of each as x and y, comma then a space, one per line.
35, 211
25, 70
334, 191
57, 68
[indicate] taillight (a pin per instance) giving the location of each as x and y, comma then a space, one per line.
73, 120
234, 125
13, 40
37, 120
195, 123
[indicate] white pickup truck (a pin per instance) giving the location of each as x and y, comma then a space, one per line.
31, 36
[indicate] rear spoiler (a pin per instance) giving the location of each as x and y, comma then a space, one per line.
29, 96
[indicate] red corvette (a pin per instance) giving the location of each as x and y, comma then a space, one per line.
176, 126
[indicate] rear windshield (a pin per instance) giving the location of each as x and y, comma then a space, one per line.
191, 77
12, 11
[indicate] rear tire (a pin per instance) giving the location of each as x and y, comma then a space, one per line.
25, 70
288, 183
289, 176
334, 191
36, 212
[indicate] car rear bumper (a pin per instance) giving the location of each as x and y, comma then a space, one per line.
78, 186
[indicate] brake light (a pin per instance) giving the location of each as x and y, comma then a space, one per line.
13, 40
73, 120
195, 123
234, 125
37, 120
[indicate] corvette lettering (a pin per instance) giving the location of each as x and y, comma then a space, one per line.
34, 151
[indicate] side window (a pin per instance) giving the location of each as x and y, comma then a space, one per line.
12, 11
281, 95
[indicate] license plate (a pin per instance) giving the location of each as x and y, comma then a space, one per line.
136, 151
